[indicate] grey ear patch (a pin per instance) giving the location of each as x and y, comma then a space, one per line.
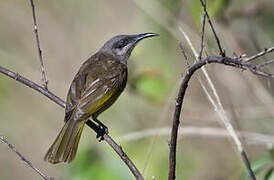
121, 43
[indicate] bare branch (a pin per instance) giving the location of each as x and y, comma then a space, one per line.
202, 36
234, 62
184, 54
43, 71
24, 159
217, 105
222, 53
92, 125
266, 63
266, 51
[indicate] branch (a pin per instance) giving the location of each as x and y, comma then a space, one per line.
43, 71
234, 62
266, 51
92, 125
24, 159
202, 36
222, 53
218, 105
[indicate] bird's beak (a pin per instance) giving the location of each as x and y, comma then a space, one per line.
145, 35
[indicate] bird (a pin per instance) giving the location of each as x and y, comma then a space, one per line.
96, 86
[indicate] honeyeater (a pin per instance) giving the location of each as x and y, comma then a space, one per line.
98, 83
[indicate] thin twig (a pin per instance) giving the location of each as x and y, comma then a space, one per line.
184, 54
24, 159
61, 103
266, 63
222, 53
118, 149
202, 36
266, 51
43, 71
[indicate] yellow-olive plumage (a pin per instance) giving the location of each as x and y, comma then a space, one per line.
96, 86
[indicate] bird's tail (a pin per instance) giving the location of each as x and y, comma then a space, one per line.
65, 145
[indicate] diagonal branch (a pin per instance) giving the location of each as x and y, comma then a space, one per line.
43, 71
202, 36
266, 51
222, 53
92, 125
24, 159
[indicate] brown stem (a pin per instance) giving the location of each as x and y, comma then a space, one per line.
43, 71
222, 53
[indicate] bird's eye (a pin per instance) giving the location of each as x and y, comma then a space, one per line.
122, 43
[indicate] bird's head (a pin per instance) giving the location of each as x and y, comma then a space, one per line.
121, 46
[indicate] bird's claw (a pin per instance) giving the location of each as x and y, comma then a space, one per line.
101, 132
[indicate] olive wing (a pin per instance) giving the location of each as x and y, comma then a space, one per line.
93, 85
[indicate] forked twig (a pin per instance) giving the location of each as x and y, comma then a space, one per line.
202, 36
222, 53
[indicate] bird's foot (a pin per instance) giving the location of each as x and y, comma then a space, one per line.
101, 132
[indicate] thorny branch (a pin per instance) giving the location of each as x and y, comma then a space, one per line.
92, 125
43, 71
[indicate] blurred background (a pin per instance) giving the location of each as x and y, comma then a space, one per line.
71, 31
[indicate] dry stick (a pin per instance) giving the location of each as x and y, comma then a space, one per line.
267, 50
202, 37
234, 62
213, 29
24, 159
43, 71
266, 63
92, 125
